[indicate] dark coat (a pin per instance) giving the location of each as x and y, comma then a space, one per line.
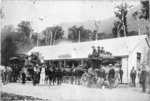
121, 72
111, 73
102, 74
133, 74
143, 75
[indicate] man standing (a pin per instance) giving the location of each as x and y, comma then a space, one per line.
111, 75
121, 74
24, 73
143, 79
102, 76
149, 80
35, 75
42, 75
90, 76
133, 76
139, 75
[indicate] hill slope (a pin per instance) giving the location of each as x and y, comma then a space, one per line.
107, 25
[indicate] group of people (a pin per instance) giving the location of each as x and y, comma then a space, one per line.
103, 74
10, 73
42, 73
142, 77
55, 73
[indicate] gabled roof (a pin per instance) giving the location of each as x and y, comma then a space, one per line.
117, 46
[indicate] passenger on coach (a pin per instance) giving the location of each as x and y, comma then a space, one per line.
94, 51
98, 50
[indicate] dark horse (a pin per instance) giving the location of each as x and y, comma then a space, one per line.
78, 72
54, 75
50, 74
67, 74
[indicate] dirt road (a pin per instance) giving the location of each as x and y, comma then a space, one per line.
68, 92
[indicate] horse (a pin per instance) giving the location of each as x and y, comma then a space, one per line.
67, 74
78, 72
15, 72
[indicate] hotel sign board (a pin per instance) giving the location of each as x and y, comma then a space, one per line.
65, 56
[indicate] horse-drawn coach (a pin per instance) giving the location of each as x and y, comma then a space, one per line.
102, 63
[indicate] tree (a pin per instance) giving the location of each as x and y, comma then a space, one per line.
9, 48
79, 34
145, 9
109, 36
102, 36
121, 14
97, 24
1, 16
25, 29
34, 38
133, 33
136, 16
52, 34
117, 29
73, 33
145, 13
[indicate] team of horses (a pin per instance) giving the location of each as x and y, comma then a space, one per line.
64, 75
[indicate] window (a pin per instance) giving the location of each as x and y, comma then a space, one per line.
138, 60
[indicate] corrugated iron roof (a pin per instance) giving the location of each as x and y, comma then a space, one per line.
117, 46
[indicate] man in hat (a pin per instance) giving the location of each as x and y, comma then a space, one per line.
133, 76
111, 75
143, 78
94, 51
98, 50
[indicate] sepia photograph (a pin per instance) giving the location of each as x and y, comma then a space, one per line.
74, 50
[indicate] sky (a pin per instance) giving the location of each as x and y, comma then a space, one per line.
44, 14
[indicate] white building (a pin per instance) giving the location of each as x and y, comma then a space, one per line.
129, 51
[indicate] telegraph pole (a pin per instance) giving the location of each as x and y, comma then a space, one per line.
37, 43
79, 36
97, 28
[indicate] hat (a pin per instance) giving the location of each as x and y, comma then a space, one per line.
110, 64
93, 46
98, 46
